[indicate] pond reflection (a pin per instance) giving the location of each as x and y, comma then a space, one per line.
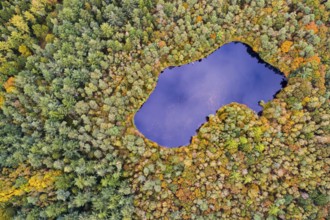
186, 95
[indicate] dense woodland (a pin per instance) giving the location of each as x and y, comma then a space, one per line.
73, 73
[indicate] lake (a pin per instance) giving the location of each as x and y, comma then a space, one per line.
187, 94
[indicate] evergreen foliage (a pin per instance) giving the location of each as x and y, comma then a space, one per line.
74, 72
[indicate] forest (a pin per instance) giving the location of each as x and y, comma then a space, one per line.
73, 73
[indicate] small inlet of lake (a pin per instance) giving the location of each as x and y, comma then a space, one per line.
187, 94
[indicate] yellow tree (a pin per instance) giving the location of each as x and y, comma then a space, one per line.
19, 22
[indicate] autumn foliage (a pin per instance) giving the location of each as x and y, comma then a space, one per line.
199, 19
68, 145
9, 85
33, 182
285, 46
162, 44
312, 26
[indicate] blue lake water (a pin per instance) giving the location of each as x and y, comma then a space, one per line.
186, 95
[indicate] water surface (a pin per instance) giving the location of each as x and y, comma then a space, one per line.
186, 95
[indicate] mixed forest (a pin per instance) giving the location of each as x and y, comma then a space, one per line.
73, 73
